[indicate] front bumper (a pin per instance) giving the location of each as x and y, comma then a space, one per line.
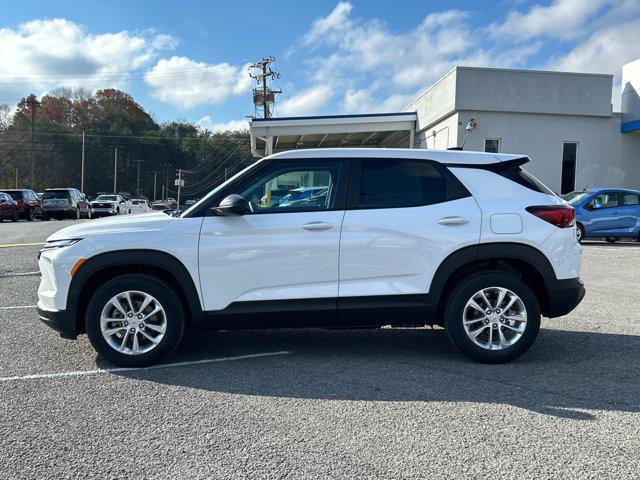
103, 211
62, 321
563, 295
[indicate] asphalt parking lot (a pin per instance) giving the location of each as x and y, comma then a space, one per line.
383, 403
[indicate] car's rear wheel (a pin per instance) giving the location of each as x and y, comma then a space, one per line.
30, 215
492, 317
135, 320
579, 232
611, 239
16, 215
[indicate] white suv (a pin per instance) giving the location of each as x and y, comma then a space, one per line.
469, 241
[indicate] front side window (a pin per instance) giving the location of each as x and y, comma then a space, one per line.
290, 188
390, 184
604, 200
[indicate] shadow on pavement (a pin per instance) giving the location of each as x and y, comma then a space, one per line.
564, 373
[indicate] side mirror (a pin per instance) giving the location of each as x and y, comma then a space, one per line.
232, 206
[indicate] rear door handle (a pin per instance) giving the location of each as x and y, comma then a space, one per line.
317, 226
453, 221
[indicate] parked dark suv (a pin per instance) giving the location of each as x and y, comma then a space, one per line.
64, 203
29, 204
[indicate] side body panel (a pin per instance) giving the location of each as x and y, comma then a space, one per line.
498, 196
268, 257
395, 251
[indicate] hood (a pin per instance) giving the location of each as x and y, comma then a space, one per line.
144, 222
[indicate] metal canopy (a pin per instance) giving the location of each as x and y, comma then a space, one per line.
274, 135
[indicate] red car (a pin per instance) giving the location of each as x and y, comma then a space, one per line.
29, 204
8, 208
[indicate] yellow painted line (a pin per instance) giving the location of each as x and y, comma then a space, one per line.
10, 245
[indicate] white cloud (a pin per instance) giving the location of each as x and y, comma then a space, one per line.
207, 123
307, 101
186, 83
560, 19
44, 54
381, 69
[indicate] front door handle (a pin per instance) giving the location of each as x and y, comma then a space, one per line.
453, 221
317, 226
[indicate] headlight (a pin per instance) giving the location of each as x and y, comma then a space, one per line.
59, 243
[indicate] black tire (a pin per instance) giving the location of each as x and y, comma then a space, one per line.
16, 215
153, 286
29, 215
580, 232
611, 239
45, 217
465, 290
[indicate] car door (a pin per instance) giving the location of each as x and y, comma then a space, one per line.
629, 213
403, 218
274, 252
602, 214
5, 206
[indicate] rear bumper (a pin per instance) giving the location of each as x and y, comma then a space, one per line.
62, 321
564, 296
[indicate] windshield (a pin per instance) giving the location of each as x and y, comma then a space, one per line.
55, 194
214, 190
107, 198
575, 197
14, 195
158, 207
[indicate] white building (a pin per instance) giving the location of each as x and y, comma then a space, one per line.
563, 121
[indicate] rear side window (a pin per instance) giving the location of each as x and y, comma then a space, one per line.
389, 184
630, 199
516, 173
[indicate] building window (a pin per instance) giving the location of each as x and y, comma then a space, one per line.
569, 157
492, 145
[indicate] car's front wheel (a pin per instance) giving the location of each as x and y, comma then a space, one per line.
492, 317
135, 320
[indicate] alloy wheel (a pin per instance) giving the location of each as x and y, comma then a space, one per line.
133, 322
494, 318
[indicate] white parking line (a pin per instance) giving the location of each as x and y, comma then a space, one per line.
21, 274
17, 307
78, 373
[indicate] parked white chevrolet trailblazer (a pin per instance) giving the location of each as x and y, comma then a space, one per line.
466, 240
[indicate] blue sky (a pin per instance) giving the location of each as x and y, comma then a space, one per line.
187, 59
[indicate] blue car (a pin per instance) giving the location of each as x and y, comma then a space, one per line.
606, 213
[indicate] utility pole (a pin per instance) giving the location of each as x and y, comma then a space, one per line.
163, 197
166, 179
179, 184
82, 166
138, 180
263, 95
16, 177
33, 103
155, 176
115, 171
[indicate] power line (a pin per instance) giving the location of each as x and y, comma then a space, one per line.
147, 137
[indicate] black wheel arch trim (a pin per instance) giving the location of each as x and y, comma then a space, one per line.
143, 258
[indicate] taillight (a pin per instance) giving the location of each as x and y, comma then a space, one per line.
559, 215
